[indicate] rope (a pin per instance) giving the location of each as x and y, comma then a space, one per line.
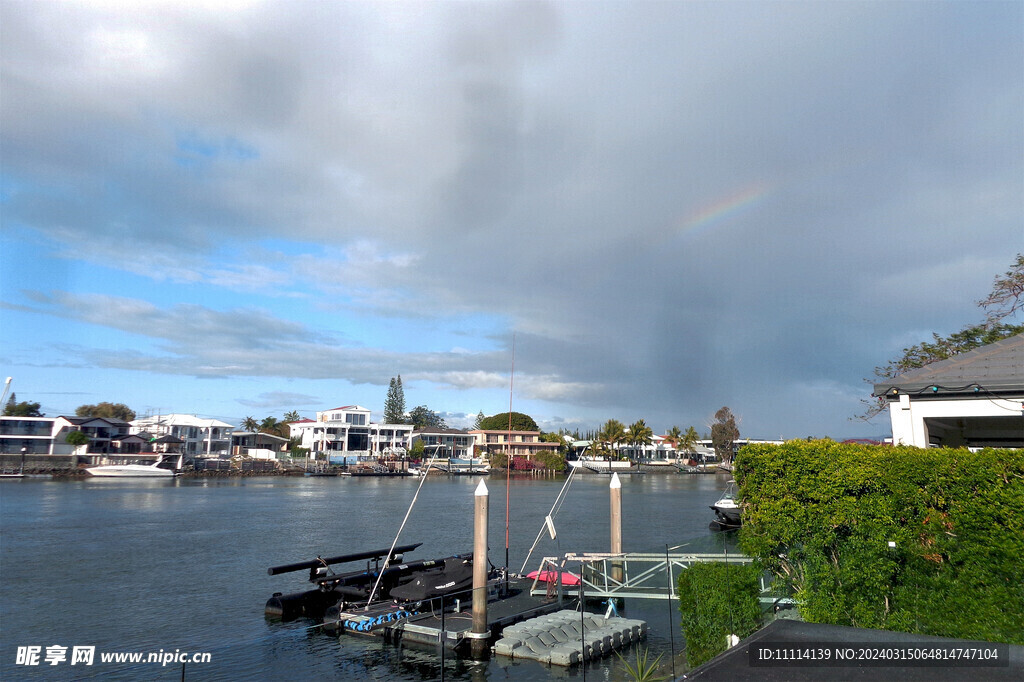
387, 561
554, 510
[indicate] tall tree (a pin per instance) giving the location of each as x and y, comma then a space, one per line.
291, 416
639, 435
107, 411
479, 420
1005, 301
15, 409
673, 435
394, 404
250, 424
500, 422
723, 433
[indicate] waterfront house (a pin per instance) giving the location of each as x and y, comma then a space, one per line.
444, 442
347, 432
257, 445
207, 437
525, 444
974, 399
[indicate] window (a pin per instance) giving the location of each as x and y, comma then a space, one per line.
356, 419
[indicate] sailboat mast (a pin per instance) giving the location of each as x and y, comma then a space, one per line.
508, 443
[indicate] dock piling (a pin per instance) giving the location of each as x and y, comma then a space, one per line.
479, 647
615, 489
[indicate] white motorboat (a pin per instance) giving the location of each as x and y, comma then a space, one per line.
727, 512
163, 467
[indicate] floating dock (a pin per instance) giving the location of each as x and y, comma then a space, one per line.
429, 624
567, 638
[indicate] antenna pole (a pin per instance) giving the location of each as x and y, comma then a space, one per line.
508, 444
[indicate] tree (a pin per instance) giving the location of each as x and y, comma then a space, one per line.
611, 434
500, 422
15, 409
271, 425
291, 416
639, 435
106, 411
1007, 296
723, 432
479, 420
394, 404
673, 435
250, 424
76, 438
1005, 300
688, 441
422, 417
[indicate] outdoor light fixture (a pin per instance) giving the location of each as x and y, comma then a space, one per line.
892, 545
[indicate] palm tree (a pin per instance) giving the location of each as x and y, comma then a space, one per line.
673, 435
250, 424
639, 435
612, 433
688, 442
270, 425
292, 416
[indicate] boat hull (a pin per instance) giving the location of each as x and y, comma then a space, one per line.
130, 471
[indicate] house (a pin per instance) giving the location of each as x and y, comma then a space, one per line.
209, 437
444, 442
349, 430
974, 399
36, 435
525, 444
257, 444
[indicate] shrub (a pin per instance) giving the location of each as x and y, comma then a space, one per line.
717, 600
822, 515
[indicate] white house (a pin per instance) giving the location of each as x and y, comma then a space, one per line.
974, 399
209, 437
347, 431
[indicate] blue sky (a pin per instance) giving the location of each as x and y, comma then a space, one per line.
245, 208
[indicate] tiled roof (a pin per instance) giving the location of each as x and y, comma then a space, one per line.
997, 367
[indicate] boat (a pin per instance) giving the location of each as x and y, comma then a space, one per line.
390, 585
568, 579
163, 467
727, 512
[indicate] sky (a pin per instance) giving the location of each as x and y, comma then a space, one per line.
587, 210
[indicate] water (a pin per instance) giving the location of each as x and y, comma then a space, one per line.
150, 565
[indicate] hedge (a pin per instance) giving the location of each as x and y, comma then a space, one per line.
822, 516
717, 600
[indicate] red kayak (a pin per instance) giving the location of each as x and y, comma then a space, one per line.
568, 579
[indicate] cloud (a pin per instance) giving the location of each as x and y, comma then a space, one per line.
672, 205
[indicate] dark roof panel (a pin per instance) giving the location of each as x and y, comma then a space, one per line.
997, 367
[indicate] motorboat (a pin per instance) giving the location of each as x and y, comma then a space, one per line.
727, 512
163, 467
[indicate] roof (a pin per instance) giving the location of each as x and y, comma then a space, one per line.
348, 407
78, 421
179, 420
436, 431
735, 664
995, 368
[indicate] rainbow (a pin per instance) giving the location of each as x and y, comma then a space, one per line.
727, 207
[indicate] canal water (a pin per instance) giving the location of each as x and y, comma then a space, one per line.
181, 566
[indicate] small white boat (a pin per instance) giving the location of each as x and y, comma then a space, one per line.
161, 468
727, 512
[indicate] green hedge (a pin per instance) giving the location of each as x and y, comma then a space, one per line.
822, 514
717, 600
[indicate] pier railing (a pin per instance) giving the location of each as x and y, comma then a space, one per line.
639, 575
